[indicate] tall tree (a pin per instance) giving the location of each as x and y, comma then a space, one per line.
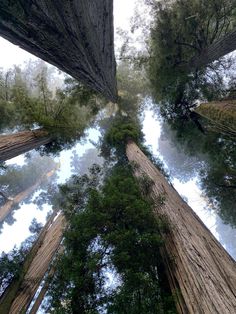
18, 143
84, 29
6, 209
18, 295
111, 228
62, 116
181, 67
191, 253
216, 50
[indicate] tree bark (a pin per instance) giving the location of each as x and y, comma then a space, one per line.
18, 296
215, 51
15, 144
201, 274
76, 36
8, 206
45, 286
221, 114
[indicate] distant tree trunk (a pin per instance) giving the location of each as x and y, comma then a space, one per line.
8, 206
201, 274
15, 144
76, 36
18, 296
221, 114
215, 51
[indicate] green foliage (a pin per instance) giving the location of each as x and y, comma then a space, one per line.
180, 31
122, 130
10, 267
28, 100
11, 262
111, 230
212, 158
116, 135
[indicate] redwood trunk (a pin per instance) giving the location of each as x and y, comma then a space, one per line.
202, 275
76, 36
42, 292
221, 114
7, 207
20, 293
18, 143
215, 51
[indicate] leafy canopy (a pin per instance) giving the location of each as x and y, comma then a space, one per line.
111, 232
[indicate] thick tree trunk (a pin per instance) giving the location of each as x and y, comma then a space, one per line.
76, 36
9, 205
15, 144
215, 51
42, 292
202, 275
222, 115
18, 296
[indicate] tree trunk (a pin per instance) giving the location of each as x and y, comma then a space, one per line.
40, 298
201, 274
15, 144
215, 51
18, 296
76, 36
221, 114
8, 206
45, 287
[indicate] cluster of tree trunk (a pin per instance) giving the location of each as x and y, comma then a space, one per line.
76, 36
201, 273
19, 294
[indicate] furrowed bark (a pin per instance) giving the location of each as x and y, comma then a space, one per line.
39, 299
215, 51
15, 144
42, 292
76, 36
222, 115
18, 296
8, 206
201, 273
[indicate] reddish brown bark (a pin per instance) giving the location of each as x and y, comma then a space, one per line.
15, 144
42, 292
76, 36
202, 275
18, 296
221, 115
